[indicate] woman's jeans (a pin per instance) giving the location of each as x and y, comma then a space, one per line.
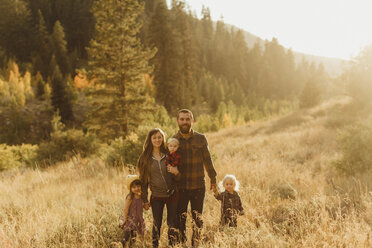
157, 206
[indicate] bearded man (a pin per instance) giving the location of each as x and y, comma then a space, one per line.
195, 156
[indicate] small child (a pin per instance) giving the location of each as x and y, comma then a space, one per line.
231, 204
173, 156
132, 221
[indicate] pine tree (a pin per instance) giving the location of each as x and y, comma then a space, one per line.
206, 38
166, 68
301, 75
78, 22
74, 15
218, 94
59, 48
60, 99
186, 85
43, 53
40, 88
118, 64
239, 57
147, 16
254, 68
277, 64
16, 32
290, 72
221, 62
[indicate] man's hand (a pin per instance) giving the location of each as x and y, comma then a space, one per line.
213, 187
215, 190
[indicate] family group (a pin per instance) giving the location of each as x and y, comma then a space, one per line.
174, 171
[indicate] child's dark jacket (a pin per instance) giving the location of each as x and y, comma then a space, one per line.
231, 206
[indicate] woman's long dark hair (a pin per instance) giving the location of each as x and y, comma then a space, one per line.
143, 164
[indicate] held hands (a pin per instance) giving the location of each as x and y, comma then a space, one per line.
146, 206
214, 188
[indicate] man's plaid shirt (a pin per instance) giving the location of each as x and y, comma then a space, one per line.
195, 156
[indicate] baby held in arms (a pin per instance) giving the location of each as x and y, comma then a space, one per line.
173, 158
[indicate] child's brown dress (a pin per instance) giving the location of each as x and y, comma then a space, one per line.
135, 221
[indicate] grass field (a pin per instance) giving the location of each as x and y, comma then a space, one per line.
290, 193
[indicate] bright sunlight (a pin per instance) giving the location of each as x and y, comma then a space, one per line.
332, 28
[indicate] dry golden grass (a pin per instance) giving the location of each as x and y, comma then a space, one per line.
286, 189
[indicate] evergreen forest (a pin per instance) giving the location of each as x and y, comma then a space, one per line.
79, 75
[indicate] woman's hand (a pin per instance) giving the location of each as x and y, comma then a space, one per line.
173, 170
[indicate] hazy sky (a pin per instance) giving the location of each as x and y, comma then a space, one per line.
332, 28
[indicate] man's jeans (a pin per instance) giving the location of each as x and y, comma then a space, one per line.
196, 198
157, 206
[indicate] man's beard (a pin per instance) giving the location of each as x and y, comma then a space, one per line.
185, 129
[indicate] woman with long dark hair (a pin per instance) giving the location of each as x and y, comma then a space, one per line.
154, 173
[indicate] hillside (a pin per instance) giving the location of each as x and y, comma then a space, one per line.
333, 66
290, 195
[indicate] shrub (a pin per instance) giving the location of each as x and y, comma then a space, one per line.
283, 190
343, 113
122, 151
334, 121
26, 153
126, 151
290, 120
144, 129
158, 118
356, 143
310, 95
65, 144
206, 123
251, 113
28, 124
8, 158
17, 156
